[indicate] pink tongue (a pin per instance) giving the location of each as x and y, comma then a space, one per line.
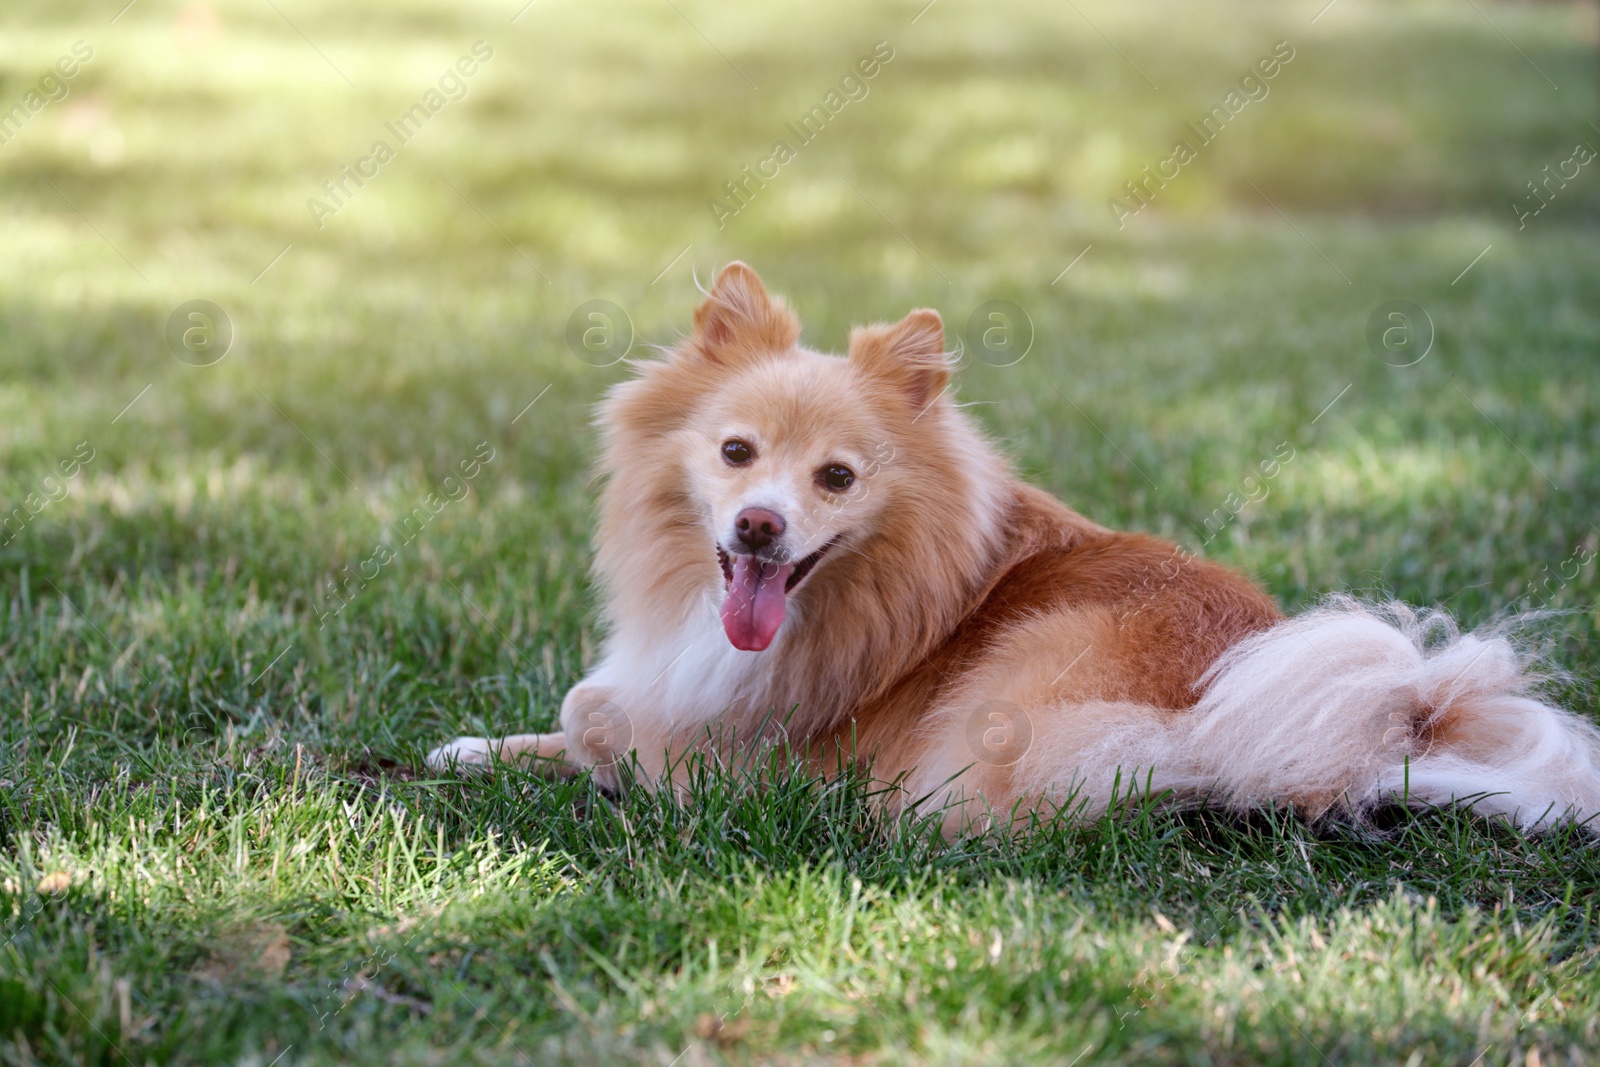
754, 609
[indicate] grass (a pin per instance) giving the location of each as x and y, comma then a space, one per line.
216, 841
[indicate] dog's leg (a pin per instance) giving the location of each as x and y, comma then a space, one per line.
1044, 725
482, 753
991, 763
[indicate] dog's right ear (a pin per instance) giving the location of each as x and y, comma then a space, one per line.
738, 319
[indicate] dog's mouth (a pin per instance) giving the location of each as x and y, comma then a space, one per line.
797, 571
757, 594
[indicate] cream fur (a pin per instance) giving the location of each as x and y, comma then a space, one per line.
1356, 704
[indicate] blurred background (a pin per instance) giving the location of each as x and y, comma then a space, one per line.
372, 318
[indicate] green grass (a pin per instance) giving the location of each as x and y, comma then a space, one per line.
216, 843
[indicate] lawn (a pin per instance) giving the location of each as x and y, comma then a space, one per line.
217, 841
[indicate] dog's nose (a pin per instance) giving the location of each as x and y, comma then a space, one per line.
758, 527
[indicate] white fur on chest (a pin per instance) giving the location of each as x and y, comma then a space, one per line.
684, 677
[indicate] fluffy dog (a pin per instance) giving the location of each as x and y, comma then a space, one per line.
827, 550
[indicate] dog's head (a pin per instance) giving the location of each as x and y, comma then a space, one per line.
791, 469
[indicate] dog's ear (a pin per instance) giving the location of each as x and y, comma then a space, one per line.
910, 354
739, 319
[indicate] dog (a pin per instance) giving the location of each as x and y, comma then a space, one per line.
826, 552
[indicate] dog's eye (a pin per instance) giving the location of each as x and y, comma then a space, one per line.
838, 477
737, 452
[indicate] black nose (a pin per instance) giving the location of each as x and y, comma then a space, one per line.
758, 527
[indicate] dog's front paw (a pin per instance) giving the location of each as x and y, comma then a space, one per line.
473, 755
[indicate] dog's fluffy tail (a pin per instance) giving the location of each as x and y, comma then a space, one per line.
1350, 705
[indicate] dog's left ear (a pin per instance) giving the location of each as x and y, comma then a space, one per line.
910, 354
739, 319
